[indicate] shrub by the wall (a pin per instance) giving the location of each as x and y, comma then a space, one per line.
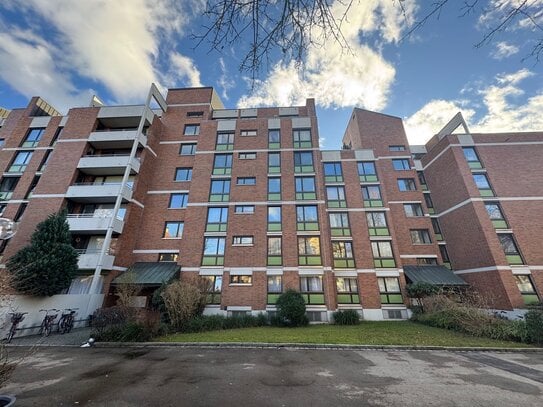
291, 309
205, 323
534, 326
346, 317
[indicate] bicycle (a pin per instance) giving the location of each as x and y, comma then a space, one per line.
66, 322
16, 318
48, 321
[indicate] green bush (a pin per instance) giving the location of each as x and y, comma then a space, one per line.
534, 326
291, 309
346, 317
129, 332
205, 323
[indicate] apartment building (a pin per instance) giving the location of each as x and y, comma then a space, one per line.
245, 199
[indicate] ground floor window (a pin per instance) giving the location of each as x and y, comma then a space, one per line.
311, 289
213, 287
526, 287
389, 289
275, 288
347, 290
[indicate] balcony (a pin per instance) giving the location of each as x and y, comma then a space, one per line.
107, 164
94, 223
88, 259
124, 116
116, 138
98, 193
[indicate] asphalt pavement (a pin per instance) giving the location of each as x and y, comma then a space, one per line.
178, 376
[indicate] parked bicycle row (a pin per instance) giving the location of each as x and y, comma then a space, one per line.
64, 324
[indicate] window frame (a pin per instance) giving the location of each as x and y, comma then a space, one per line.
379, 259
181, 170
344, 228
214, 258
331, 173
301, 164
17, 166
184, 200
243, 240
241, 209
192, 150
409, 184
300, 184
249, 181
274, 225
312, 297
237, 279
365, 176
195, 126
350, 295
180, 225
401, 164
343, 254
306, 257
224, 145
35, 141
274, 257
274, 194
305, 222
416, 213
420, 237
366, 196
376, 229
389, 295
220, 213
224, 195
300, 139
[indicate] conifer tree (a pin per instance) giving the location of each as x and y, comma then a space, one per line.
48, 264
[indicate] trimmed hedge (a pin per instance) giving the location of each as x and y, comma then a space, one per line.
205, 323
346, 317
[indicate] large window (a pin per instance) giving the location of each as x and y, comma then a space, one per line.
413, 210
401, 164
347, 290
429, 204
220, 190
173, 230
527, 290
311, 289
342, 253
33, 137
303, 161
496, 215
335, 196
366, 171
213, 285
274, 251
445, 255
21, 161
275, 288
274, 138
510, 248
422, 180
178, 201
183, 174
481, 180
274, 218
191, 130
333, 172
7, 186
406, 184
222, 164
389, 289
187, 149
305, 188
217, 219
420, 236
382, 254
274, 163
472, 158
274, 189
225, 141
377, 224
302, 138
372, 196
309, 251
213, 251
339, 224
307, 218
437, 229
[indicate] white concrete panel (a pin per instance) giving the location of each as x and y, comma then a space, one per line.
63, 121
301, 122
331, 155
288, 111
274, 123
40, 121
226, 125
225, 114
465, 139
364, 155
248, 113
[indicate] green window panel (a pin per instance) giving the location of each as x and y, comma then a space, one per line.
530, 299
222, 171
348, 299
274, 227
486, 192
499, 224
424, 187
447, 264
439, 237
216, 227
373, 203
384, 263
337, 204
219, 197
224, 147
309, 260
30, 144
368, 178
340, 231
274, 170
272, 298
302, 144
17, 168
213, 261
5, 196
275, 260
475, 165
514, 259
313, 299
431, 211
391, 299
333, 178
305, 196
307, 226
274, 145
382, 231
344, 263
304, 168
274, 197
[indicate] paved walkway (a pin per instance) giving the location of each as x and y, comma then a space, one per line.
76, 337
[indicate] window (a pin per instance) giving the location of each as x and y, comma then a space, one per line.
445, 255
382, 254
396, 148
429, 204
389, 288
496, 215
213, 251
302, 138
420, 236
246, 181
377, 224
168, 257
21, 161
45, 160
303, 161
274, 189
33, 137
422, 180
173, 230
187, 149
413, 210
217, 219
275, 288
191, 130
437, 229
372, 196
481, 180
426, 261
366, 171
213, 285
309, 251
248, 133
244, 209
7, 186
527, 290
247, 156
347, 290
332, 172
222, 164
274, 218
241, 279
274, 163
305, 188
472, 158
225, 141
183, 174
274, 138
311, 289
195, 114
178, 201
339, 224
342, 252
510, 248
406, 184
274, 251
335, 197
2, 142
242, 240
307, 218
220, 190
401, 164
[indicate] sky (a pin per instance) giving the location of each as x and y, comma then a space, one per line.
68, 50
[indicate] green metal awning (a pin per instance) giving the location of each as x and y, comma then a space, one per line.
150, 273
437, 275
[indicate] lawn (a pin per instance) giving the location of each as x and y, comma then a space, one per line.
367, 333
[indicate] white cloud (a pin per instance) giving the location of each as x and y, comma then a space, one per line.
505, 110
334, 76
504, 50
225, 81
184, 67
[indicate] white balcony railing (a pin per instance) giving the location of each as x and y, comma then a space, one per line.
98, 193
107, 164
94, 222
